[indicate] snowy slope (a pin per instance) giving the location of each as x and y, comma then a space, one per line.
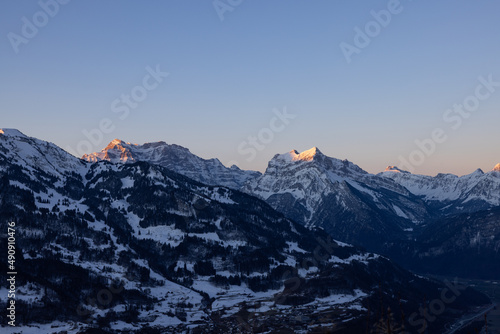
34, 154
54, 176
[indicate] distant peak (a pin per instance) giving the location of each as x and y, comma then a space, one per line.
395, 169
478, 171
116, 141
153, 144
306, 155
113, 143
496, 168
294, 155
118, 144
11, 133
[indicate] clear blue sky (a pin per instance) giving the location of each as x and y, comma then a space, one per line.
227, 76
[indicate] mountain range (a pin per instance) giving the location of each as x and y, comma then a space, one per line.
442, 195
176, 158
380, 212
450, 193
151, 239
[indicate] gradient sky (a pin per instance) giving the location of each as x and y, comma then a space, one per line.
227, 76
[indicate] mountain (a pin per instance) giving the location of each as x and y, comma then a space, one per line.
386, 212
337, 195
463, 238
34, 155
138, 248
176, 158
451, 194
465, 245
445, 225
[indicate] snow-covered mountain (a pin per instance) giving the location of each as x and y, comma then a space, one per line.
125, 246
467, 245
176, 158
450, 193
339, 196
35, 155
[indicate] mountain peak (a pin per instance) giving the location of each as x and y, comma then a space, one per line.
11, 133
308, 155
395, 169
119, 144
496, 168
114, 143
294, 155
478, 171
